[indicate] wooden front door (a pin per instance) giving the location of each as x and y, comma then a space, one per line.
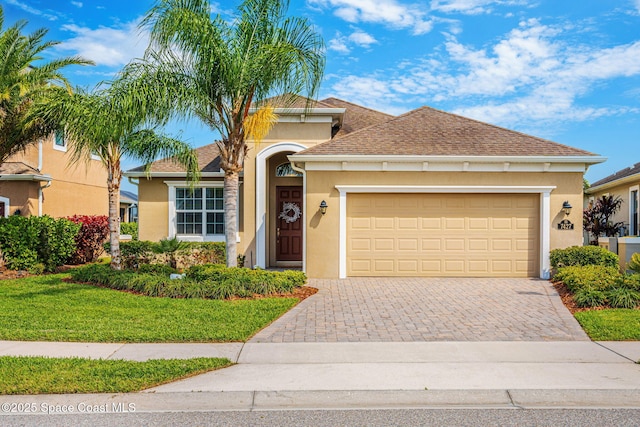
2, 208
289, 220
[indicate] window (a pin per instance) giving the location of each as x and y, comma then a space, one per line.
633, 211
59, 142
285, 169
199, 211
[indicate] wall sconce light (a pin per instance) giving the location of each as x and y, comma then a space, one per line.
323, 207
566, 207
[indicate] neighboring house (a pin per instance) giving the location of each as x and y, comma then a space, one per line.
40, 181
128, 206
426, 193
626, 184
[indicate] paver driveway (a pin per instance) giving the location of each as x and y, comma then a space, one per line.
427, 309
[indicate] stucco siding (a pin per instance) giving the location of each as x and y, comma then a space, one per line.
323, 237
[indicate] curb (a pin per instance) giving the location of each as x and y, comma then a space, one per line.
313, 400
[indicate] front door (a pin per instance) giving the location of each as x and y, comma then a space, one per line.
289, 223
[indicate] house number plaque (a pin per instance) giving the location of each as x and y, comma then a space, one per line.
565, 225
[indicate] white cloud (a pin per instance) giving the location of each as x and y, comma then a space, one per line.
386, 12
76, 3
341, 43
362, 39
471, 7
636, 3
32, 10
108, 46
531, 75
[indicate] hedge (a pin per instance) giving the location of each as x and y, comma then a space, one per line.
37, 243
583, 255
207, 281
94, 231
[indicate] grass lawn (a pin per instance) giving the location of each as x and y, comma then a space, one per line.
41, 375
611, 324
44, 308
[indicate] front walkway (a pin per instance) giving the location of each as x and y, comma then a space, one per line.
426, 309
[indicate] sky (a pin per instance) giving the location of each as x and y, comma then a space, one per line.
568, 70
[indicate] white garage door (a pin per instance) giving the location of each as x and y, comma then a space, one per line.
464, 235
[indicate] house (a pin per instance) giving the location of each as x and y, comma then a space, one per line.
341, 190
128, 206
41, 181
624, 183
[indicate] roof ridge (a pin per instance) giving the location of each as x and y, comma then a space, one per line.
357, 105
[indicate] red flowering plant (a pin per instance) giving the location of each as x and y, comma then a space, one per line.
89, 240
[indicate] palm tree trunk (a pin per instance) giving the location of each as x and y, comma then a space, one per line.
231, 180
113, 186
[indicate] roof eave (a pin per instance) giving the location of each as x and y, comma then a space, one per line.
614, 183
26, 177
136, 174
589, 160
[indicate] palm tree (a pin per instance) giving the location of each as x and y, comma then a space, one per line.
224, 73
25, 82
110, 124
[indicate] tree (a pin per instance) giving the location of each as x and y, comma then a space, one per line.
218, 71
111, 123
597, 219
26, 81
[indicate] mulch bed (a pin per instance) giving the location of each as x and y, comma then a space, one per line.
567, 299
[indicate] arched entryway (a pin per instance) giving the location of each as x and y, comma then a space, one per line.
272, 191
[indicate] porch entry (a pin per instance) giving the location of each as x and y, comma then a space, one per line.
289, 220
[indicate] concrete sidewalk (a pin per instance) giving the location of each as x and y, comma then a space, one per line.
374, 375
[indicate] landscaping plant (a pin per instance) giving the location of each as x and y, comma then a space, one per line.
583, 255
28, 241
94, 231
597, 220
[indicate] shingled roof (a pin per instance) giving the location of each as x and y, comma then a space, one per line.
430, 132
208, 161
356, 117
624, 173
17, 168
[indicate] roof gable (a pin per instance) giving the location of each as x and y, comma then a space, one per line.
208, 161
430, 132
356, 117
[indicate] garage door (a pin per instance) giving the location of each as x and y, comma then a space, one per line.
464, 235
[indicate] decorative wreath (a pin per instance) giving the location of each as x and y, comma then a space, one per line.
290, 212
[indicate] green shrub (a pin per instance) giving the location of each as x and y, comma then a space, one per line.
583, 255
157, 269
588, 297
207, 281
130, 228
631, 281
596, 277
27, 241
623, 298
634, 262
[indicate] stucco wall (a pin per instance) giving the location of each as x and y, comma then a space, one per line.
153, 209
75, 188
22, 195
619, 190
322, 243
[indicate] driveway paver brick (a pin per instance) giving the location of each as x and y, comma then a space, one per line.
427, 309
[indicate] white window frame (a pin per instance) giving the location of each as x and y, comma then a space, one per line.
7, 205
635, 226
64, 139
173, 215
